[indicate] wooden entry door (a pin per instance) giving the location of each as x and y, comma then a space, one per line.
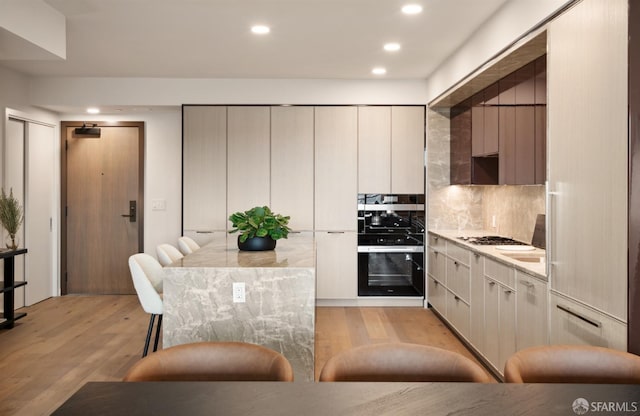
102, 207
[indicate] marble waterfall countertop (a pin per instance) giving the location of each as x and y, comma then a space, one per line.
279, 307
538, 268
296, 251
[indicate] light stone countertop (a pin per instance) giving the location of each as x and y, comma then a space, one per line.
538, 270
297, 251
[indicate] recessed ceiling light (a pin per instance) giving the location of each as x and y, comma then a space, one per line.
411, 9
378, 71
93, 110
392, 47
260, 29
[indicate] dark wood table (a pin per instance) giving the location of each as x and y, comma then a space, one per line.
366, 399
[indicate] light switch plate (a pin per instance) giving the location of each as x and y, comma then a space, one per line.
159, 204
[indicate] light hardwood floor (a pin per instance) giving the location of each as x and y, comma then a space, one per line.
67, 341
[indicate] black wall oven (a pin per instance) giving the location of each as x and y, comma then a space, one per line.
390, 245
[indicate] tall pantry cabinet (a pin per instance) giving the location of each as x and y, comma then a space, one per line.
588, 174
336, 181
204, 172
248, 147
292, 164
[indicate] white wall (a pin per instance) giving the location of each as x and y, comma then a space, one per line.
513, 20
32, 30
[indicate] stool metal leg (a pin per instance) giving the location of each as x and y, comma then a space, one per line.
149, 331
155, 344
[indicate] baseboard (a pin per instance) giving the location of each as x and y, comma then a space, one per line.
373, 301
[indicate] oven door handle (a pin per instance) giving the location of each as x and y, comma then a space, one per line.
390, 249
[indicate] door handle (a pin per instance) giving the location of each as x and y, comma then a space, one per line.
132, 211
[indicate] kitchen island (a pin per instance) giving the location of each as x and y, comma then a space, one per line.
276, 307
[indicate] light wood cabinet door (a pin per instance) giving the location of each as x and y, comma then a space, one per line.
491, 321
292, 165
476, 302
248, 155
336, 265
336, 168
499, 323
374, 149
532, 311
204, 168
588, 154
407, 149
507, 308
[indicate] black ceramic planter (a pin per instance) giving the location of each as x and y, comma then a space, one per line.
257, 244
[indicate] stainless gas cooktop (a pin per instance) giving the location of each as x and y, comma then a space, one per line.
491, 240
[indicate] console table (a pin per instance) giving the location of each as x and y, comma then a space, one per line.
8, 286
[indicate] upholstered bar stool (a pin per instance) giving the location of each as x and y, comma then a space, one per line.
401, 362
147, 277
212, 361
186, 245
167, 254
572, 364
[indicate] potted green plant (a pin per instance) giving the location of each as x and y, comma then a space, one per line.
259, 228
11, 216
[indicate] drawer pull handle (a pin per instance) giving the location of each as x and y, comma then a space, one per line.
527, 284
579, 316
456, 298
455, 263
204, 232
492, 283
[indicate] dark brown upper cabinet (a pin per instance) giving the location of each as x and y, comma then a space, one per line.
517, 132
506, 123
484, 122
460, 116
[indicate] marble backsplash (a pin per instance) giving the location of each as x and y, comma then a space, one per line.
515, 209
461, 207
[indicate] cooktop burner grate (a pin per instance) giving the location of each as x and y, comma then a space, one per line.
492, 240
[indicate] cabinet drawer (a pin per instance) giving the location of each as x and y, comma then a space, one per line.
437, 243
436, 265
575, 323
458, 314
458, 253
437, 296
499, 272
458, 278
